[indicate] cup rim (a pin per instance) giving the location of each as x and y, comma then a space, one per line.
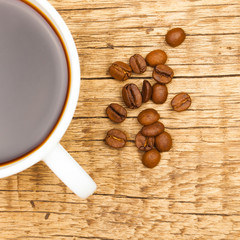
71, 102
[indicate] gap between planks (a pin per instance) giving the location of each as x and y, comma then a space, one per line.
176, 77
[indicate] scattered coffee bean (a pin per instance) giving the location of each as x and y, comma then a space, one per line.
115, 138
163, 74
160, 93
116, 113
120, 71
144, 143
152, 134
132, 96
175, 37
148, 116
153, 130
156, 57
163, 142
146, 91
151, 158
181, 102
138, 63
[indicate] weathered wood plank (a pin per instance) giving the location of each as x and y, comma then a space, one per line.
172, 5
137, 28
105, 43
213, 97
124, 217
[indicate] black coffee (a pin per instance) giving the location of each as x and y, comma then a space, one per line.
33, 79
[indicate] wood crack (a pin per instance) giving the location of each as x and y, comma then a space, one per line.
85, 237
87, 9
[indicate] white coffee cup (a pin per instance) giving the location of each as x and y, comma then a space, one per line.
51, 152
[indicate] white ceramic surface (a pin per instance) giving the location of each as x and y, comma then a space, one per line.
60, 162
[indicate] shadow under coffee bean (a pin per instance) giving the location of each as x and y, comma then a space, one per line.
34, 79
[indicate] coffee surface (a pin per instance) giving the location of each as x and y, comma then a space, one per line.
33, 79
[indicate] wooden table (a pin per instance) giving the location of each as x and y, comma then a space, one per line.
195, 191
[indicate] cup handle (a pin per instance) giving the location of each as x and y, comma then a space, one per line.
70, 172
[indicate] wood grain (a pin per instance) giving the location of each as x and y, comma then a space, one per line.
195, 191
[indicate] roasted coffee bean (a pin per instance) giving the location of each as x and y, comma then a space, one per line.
120, 71
148, 116
146, 91
132, 96
163, 142
144, 143
115, 138
151, 158
153, 129
156, 57
163, 74
159, 94
181, 102
116, 113
138, 63
175, 37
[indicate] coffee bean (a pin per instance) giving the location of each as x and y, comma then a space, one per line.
181, 102
144, 143
146, 91
120, 71
156, 57
148, 116
159, 94
138, 63
163, 74
175, 37
153, 129
151, 158
115, 138
116, 113
132, 96
163, 142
